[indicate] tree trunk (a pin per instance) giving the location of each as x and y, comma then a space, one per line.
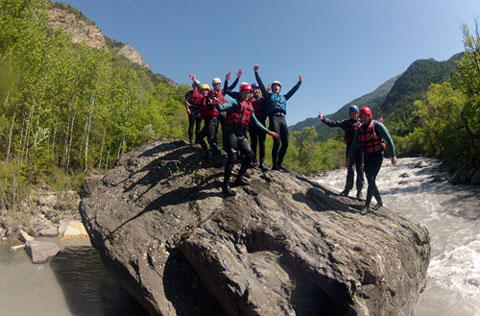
101, 149
88, 126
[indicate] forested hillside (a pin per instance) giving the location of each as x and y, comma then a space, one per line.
66, 107
373, 99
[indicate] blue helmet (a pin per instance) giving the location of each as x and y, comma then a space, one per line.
254, 85
353, 108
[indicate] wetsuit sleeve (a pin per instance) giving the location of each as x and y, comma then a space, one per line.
334, 123
261, 85
382, 130
187, 97
228, 90
234, 84
293, 90
353, 146
228, 105
258, 124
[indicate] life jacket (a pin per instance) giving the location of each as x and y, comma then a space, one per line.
369, 141
350, 131
276, 103
258, 104
207, 109
240, 116
195, 98
218, 94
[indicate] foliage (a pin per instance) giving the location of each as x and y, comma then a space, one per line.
66, 106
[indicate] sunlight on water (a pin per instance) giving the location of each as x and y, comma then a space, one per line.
451, 215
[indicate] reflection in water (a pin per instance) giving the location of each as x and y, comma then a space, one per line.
452, 217
88, 287
75, 282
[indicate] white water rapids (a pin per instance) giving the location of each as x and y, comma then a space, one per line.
452, 217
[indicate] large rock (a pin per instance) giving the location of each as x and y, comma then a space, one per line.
284, 245
41, 251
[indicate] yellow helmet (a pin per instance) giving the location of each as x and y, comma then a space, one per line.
204, 87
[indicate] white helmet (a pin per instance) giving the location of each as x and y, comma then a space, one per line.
276, 82
216, 80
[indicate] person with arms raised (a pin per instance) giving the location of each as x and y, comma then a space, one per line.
276, 106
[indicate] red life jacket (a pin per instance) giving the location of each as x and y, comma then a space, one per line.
241, 115
350, 131
207, 109
218, 94
369, 141
259, 107
195, 98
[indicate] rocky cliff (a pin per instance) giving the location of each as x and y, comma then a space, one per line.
84, 30
284, 245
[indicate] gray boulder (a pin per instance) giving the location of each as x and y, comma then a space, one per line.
284, 245
41, 251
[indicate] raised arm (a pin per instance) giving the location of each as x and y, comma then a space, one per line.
259, 81
295, 88
195, 81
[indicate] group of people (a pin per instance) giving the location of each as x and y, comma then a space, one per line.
248, 112
364, 138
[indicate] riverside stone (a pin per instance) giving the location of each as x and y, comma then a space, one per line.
284, 245
41, 251
74, 229
49, 232
24, 236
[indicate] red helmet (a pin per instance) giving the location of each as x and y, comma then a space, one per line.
245, 86
366, 111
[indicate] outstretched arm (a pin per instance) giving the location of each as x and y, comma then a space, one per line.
259, 81
263, 128
295, 88
382, 130
227, 105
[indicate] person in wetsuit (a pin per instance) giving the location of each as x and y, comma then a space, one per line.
192, 105
370, 136
276, 106
350, 126
239, 114
209, 113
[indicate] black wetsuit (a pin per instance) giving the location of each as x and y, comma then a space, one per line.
277, 124
357, 157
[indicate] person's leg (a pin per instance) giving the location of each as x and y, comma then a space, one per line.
231, 148
372, 167
202, 135
191, 122
349, 183
244, 148
284, 140
360, 173
212, 136
274, 126
261, 144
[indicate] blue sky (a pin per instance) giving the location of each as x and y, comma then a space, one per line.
343, 48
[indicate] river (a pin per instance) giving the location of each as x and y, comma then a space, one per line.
451, 215
75, 282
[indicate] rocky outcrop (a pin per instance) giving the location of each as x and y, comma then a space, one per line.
83, 30
284, 245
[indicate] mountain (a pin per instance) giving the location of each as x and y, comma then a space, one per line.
394, 98
372, 99
411, 86
74, 22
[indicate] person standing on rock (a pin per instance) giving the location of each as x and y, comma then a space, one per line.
239, 114
192, 105
257, 136
350, 126
370, 136
209, 113
276, 106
